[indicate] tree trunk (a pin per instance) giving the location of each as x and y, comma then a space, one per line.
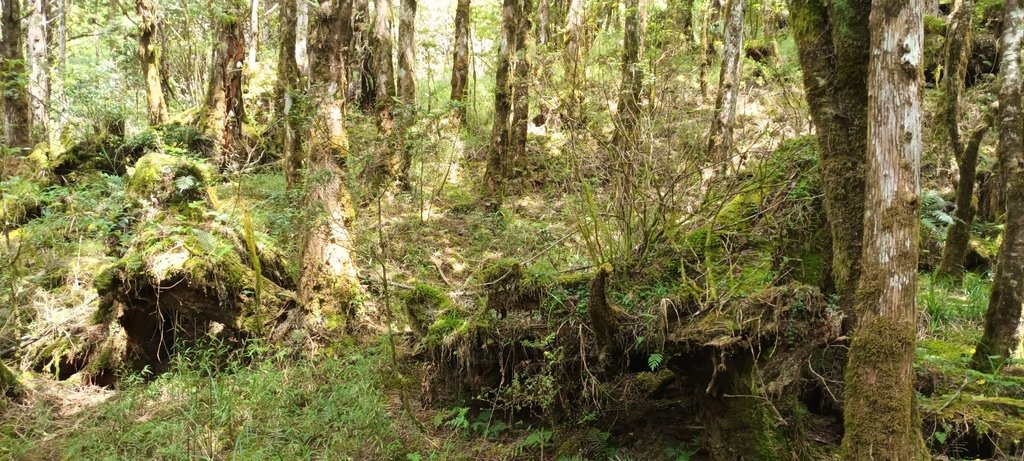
38, 70
880, 416
712, 13
543, 22
574, 23
302, 37
17, 122
406, 86
460, 61
254, 32
631, 90
288, 90
57, 86
383, 67
328, 281
720, 139
833, 46
682, 11
224, 113
497, 158
1000, 337
149, 56
361, 58
521, 86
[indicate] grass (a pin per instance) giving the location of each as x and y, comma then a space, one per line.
948, 305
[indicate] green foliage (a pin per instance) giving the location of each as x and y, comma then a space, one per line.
949, 304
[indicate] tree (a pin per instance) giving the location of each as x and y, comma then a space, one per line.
383, 68
149, 57
572, 57
682, 11
521, 84
16, 117
460, 60
288, 92
505, 125
254, 32
1002, 319
406, 85
328, 278
38, 70
720, 139
832, 41
224, 112
957, 52
360, 58
631, 89
880, 414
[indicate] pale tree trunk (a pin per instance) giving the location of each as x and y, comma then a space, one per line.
254, 32
497, 158
302, 37
720, 139
328, 280
631, 89
543, 22
460, 61
59, 94
958, 49
880, 416
712, 13
1001, 336
38, 70
832, 41
521, 86
288, 89
572, 59
17, 121
406, 86
223, 114
149, 56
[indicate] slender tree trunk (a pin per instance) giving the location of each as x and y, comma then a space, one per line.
383, 67
631, 91
880, 415
224, 113
460, 61
406, 86
833, 48
712, 13
17, 122
497, 158
720, 139
543, 22
958, 49
38, 70
361, 57
682, 11
521, 84
572, 58
328, 281
254, 32
149, 56
57, 84
288, 90
302, 37
1002, 320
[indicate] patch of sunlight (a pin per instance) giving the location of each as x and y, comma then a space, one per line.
164, 264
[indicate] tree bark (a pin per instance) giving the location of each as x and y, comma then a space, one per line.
631, 89
712, 13
288, 89
383, 67
38, 70
460, 61
501, 131
17, 122
361, 58
957, 51
572, 57
254, 32
1001, 337
521, 87
328, 281
302, 37
833, 46
224, 112
720, 139
149, 56
406, 86
880, 416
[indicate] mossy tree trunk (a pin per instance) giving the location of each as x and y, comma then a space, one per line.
224, 112
501, 131
631, 89
302, 38
383, 67
880, 416
149, 56
572, 59
957, 51
406, 86
1001, 337
17, 121
521, 87
288, 92
38, 70
720, 139
9, 385
361, 58
328, 280
709, 22
832, 40
460, 61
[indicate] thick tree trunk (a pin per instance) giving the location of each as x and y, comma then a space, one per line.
38, 70
17, 122
224, 113
572, 59
880, 415
406, 85
383, 67
288, 89
497, 158
149, 56
631, 89
328, 281
720, 139
460, 61
521, 86
833, 48
958, 49
1001, 335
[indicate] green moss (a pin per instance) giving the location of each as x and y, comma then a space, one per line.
419, 300
9, 385
935, 25
169, 179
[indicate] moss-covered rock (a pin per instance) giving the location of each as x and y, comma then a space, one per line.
169, 179
422, 302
